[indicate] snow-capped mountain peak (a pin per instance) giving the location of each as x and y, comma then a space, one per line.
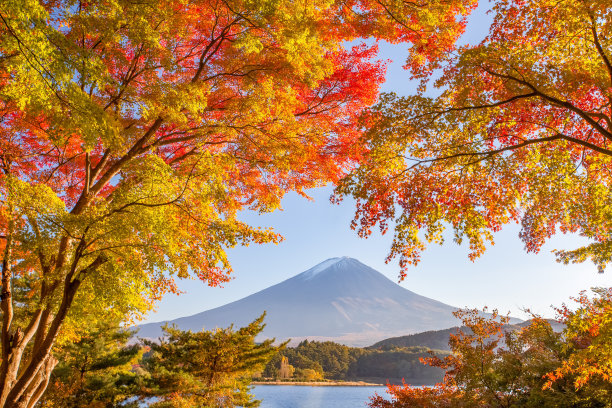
339, 299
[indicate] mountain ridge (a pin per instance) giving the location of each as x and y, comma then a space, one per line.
439, 339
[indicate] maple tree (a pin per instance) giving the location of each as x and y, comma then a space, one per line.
521, 132
589, 335
405, 396
132, 134
494, 365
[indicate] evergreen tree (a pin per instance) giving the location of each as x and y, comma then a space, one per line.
99, 370
207, 368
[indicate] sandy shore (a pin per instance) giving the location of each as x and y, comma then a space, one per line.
318, 383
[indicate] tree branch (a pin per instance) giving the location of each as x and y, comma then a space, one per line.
558, 136
555, 101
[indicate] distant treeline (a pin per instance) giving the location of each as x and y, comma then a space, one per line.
312, 360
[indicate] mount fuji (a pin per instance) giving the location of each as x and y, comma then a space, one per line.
340, 300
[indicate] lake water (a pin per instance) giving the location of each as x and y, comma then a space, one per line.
294, 396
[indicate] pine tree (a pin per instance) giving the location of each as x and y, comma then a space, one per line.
207, 368
96, 371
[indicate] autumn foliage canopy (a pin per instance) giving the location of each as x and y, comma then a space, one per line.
132, 133
521, 132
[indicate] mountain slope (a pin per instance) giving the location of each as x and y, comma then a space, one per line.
432, 339
340, 299
438, 339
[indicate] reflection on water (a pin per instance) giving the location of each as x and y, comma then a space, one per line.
293, 396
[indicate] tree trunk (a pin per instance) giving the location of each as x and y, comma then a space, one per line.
38, 384
23, 386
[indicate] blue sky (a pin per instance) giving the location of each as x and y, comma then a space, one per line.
506, 277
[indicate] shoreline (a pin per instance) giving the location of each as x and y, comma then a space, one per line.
320, 383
